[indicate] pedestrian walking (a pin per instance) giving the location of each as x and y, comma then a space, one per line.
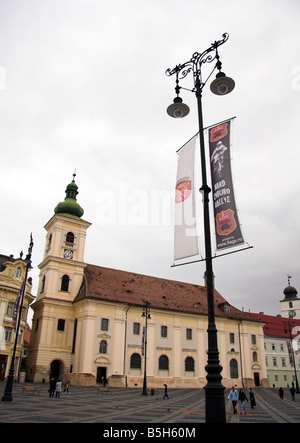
166, 395
293, 391
252, 398
66, 387
280, 393
233, 394
243, 398
52, 387
58, 389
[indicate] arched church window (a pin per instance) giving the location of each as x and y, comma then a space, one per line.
135, 361
163, 362
65, 283
43, 283
49, 240
18, 272
234, 368
103, 347
189, 364
70, 238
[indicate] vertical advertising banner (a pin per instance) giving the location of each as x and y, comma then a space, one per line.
185, 235
291, 353
143, 341
228, 231
17, 304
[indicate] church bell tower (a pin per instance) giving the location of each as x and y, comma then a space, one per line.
61, 274
63, 263
290, 305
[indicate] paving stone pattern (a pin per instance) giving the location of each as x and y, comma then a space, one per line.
89, 405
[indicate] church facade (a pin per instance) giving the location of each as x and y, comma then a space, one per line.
89, 322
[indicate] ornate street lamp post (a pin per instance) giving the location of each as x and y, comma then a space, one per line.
288, 327
214, 390
146, 314
10, 378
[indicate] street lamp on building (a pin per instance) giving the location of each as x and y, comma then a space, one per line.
222, 85
7, 396
146, 314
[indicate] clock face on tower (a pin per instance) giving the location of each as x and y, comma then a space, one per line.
68, 253
292, 314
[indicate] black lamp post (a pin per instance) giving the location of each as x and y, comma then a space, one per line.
146, 314
7, 396
214, 390
288, 327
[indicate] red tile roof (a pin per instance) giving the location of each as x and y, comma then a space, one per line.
127, 287
276, 326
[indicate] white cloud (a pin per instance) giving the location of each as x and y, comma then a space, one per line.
83, 86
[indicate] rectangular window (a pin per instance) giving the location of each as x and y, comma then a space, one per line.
136, 328
61, 324
10, 309
164, 331
24, 314
253, 338
231, 337
7, 334
189, 334
104, 324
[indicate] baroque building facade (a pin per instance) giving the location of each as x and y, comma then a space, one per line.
282, 349
12, 275
88, 321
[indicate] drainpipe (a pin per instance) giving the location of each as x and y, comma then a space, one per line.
125, 343
242, 375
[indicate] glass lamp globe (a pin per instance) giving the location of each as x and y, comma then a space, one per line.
222, 85
178, 109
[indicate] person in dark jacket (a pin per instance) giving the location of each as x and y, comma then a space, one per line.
252, 398
293, 391
280, 393
243, 398
52, 387
166, 395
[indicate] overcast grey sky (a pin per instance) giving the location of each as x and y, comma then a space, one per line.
83, 85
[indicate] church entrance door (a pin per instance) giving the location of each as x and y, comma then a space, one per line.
3, 361
101, 373
57, 369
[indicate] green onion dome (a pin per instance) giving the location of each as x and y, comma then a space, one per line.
69, 207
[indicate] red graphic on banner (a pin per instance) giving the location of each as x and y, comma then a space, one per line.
218, 132
183, 191
225, 222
